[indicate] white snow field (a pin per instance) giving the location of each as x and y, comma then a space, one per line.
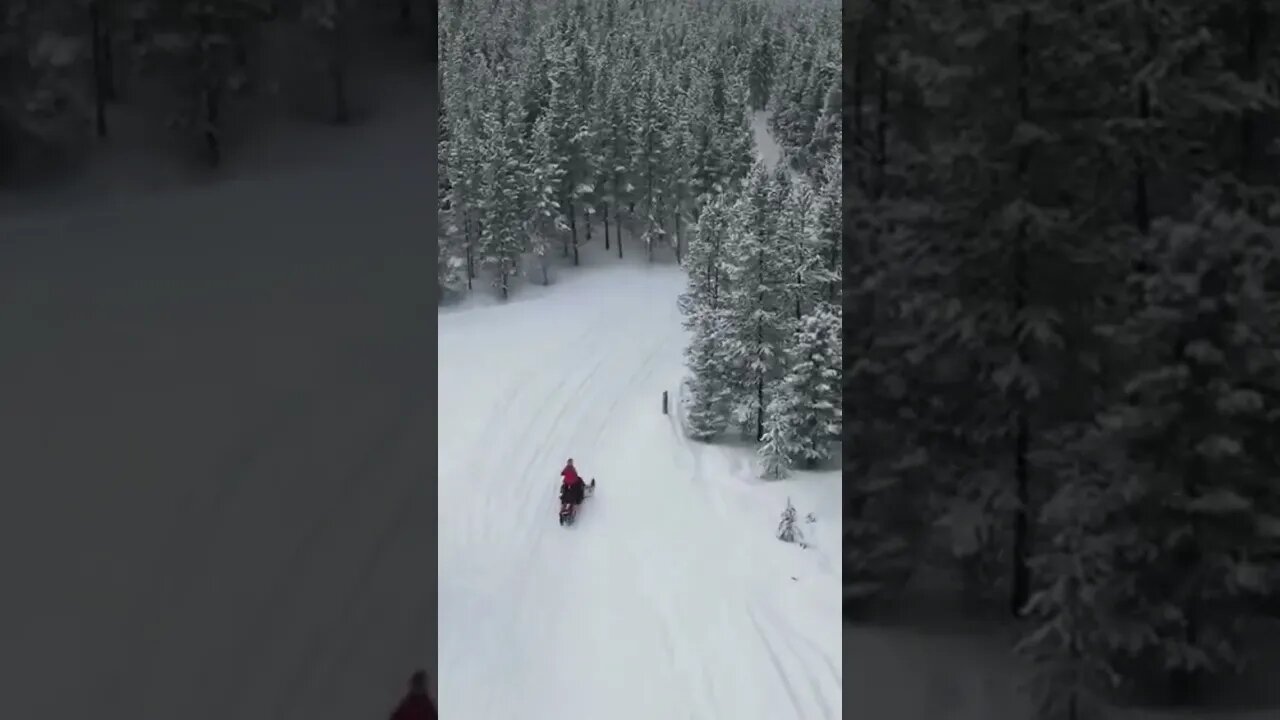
670, 597
215, 407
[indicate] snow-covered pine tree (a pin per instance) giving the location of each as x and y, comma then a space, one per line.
709, 385
330, 19
829, 229
806, 278
651, 124
782, 441
618, 149
502, 239
565, 121
462, 88
761, 64
545, 220
788, 531
736, 145
757, 324
822, 111
44, 102
706, 261
813, 384
593, 144
1091, 616
451, 268
1196, 413
678, 149
199, 43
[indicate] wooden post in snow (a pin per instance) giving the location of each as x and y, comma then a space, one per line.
664, 402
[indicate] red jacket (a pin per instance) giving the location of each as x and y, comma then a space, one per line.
570, 475
415, 706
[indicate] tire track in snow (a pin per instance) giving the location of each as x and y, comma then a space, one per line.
568, 412
258, 634
770, 639
228, 482
501, 411
539, 452
785, 638
538, 578
493, 433
777, 665
306, 674
666, 618
836, 675
522, 385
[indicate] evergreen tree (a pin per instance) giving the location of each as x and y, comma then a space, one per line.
829, 228
782, 441
502, 239
813, 384
757, 324
544, 173
701, 304
1195, 416
710, 387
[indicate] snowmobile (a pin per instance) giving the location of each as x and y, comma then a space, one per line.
569, 511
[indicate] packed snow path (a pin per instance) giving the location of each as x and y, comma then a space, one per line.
665, 599
215, 453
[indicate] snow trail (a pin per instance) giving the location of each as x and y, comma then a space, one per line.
663, 600
216, 491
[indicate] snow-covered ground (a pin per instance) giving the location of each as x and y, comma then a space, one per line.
670, 598
215, 407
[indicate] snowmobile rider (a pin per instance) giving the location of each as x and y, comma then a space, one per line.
572, 488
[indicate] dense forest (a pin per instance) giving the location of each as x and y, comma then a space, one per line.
1062, 359
67, 65
622, 121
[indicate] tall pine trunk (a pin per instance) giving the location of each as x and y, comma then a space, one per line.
606, 226
859, 69
679, 255
338, 72
100, 39
211, 94
1256, 27
1141, 189
760, 264
1021, 591
213, 117
110, 91
573, 228
471, 256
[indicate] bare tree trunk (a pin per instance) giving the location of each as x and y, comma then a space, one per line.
471, 258
1021, 592
110, 91
406, 15
679, 255
859, 83
100, 90
338, 73
606, 226
573, 228
213, 110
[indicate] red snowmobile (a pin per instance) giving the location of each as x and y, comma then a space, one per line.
571, 496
